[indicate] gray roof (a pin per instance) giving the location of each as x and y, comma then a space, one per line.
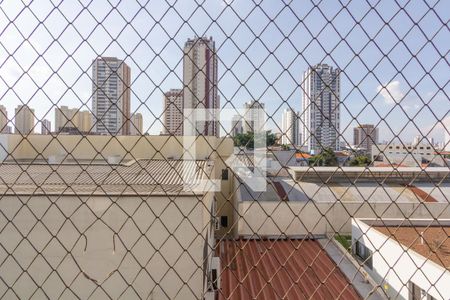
146, 177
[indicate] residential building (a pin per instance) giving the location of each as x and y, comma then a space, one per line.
46, 126
111, 96
254, 117
409, 258
24, 120
66, 119
200, 87
72, 120
290, 123
236, 125
3, 119
321, 109
137, 124
322, 200
119, 213
407, 155
84, 121
364, 137
173, 112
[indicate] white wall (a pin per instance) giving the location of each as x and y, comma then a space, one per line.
397, 266
309, 217
76, 237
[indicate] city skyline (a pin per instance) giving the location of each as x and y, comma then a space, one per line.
153, 74
225, 149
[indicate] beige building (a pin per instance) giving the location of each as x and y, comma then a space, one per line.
173, 112
84, 121
364, 137
110, 228
66, 118
111, 96
3, 119
137, 124
24, 120
72, 120
200, 85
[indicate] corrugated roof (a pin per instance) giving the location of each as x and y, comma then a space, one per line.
280, 269
144, 176
345, 192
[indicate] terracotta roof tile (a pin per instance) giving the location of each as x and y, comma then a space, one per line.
280, 269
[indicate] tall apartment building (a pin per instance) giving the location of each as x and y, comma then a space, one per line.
290, 126
65, 119
321, 113
46, 126
3, 119
200, 86
84, 120
111, 96
255, 116
365, 136
24, 120
71, 120
137, 124
173, 112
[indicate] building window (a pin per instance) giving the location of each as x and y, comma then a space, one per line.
417, 293
225, 174
364, 254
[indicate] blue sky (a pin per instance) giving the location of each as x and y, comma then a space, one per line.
263, 48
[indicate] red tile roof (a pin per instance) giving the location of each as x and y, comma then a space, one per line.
280, 269
424, 196
302, 155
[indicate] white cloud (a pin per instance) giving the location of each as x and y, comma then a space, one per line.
391, 92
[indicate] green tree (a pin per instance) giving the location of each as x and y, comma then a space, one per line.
270, 138
247, 139
360, 161
325, 158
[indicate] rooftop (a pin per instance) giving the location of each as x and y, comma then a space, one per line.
280, 269
432, 242
142, 177
405, 175
281, 188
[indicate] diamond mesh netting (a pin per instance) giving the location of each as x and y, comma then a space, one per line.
224, 149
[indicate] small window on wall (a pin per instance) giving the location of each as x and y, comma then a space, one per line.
225, 174
364, 254
416, 293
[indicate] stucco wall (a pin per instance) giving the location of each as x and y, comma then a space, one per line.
76, 237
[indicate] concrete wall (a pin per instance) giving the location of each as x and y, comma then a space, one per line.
396, 267
95, 146
272, 218
113, 242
